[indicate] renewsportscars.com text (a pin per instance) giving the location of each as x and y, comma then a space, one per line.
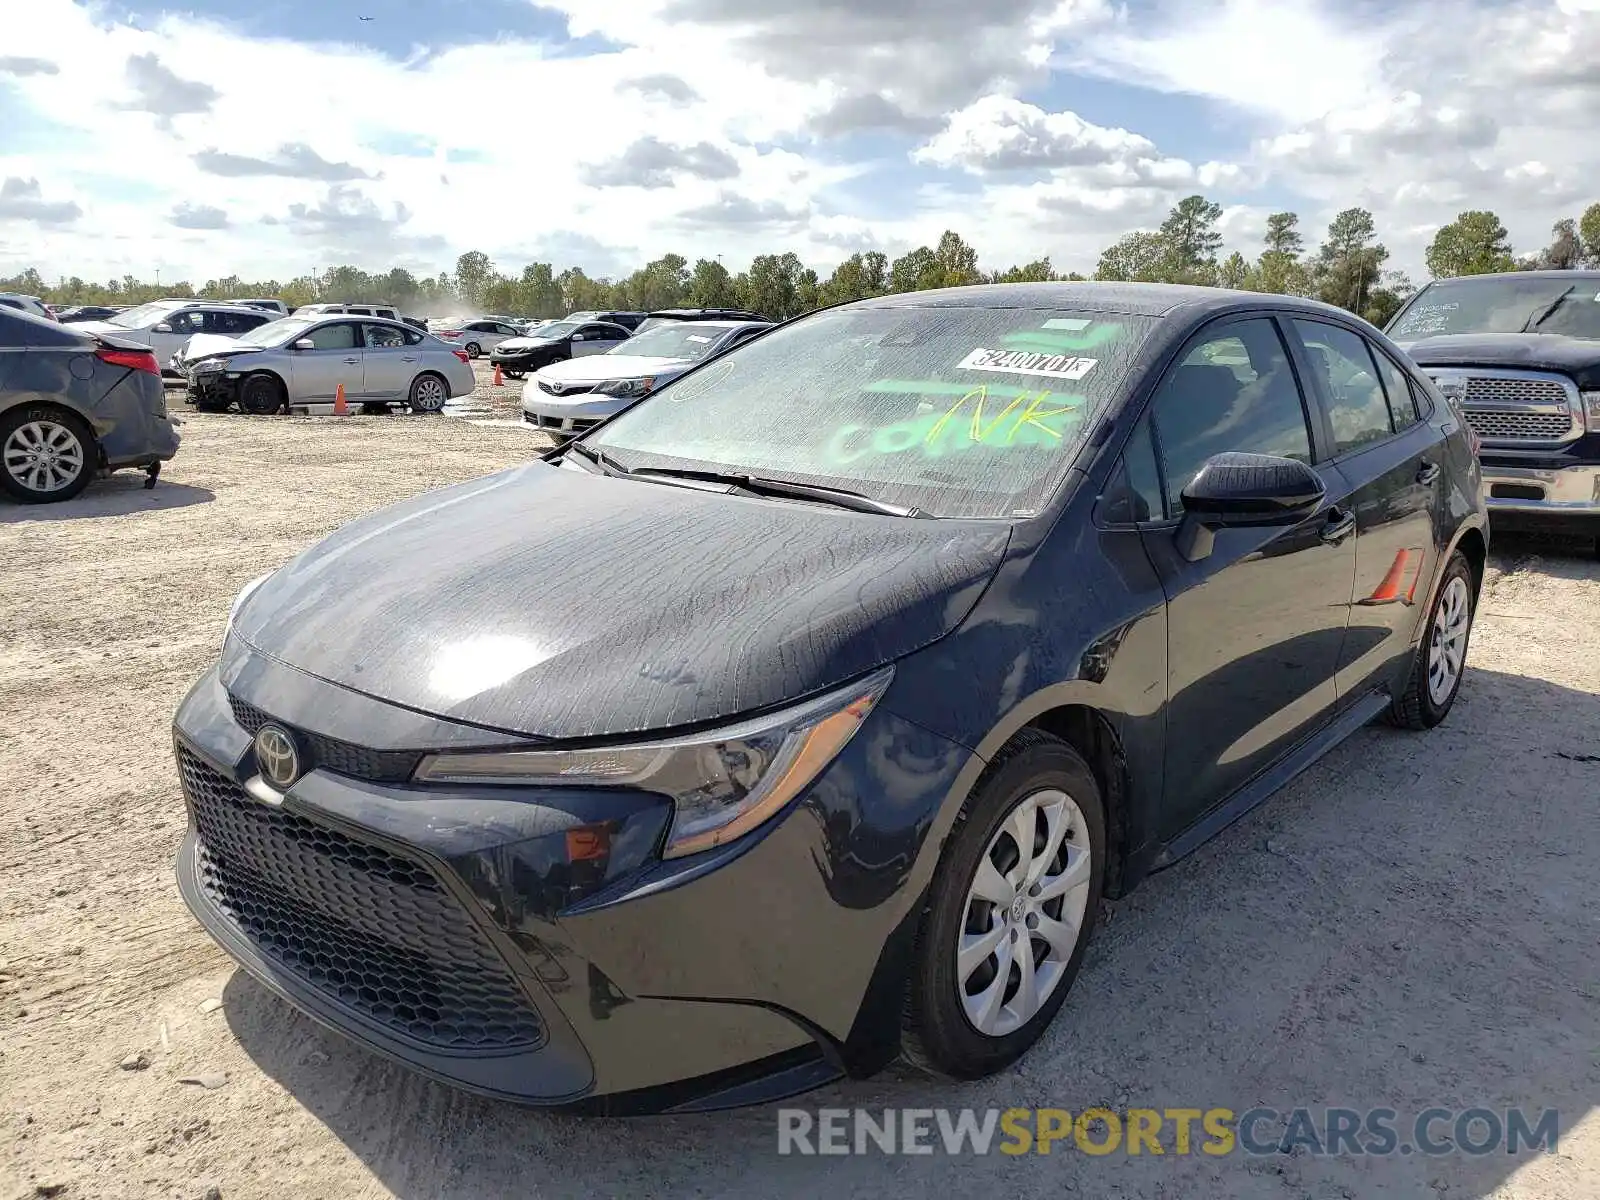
1216, 1132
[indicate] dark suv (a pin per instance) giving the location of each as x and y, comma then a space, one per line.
662, 315
800, 715
1520, 354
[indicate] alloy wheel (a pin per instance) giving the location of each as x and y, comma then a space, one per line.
1447, 647
44, 456
428, 395
1024, 912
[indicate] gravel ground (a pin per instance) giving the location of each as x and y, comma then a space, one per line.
1410, 924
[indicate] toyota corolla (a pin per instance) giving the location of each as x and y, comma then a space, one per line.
800, 717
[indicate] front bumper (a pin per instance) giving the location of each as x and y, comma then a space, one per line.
526, 361
453, 929
212, 388
1542, 495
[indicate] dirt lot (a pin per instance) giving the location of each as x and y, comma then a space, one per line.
1410, 924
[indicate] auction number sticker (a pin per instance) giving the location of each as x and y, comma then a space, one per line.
1023, 362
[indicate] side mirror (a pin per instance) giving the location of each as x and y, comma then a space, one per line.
164, 327
579, 337
305, 344
1243, 491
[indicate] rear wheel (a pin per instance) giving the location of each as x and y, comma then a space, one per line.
473, 350
1011, 913
1441, 660
428, 393
46, 454
262, 395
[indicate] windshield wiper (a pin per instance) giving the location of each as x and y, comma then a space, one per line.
762, 485
600, 458
1543, 314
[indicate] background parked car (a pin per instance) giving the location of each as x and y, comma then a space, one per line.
89, 312
662, 315
165, 325
387, 311
73, 403
566, 398
276, 306
27, 304
624, 317
479, 336
554, 342
302, 361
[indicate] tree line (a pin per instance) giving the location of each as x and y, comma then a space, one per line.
1348, 268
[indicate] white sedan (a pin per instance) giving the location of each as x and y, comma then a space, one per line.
568, 397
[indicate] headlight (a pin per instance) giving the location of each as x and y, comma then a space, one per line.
625, 387
238, 601
1591, 410
722, 783
211, 364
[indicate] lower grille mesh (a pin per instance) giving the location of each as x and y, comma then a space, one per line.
365, 927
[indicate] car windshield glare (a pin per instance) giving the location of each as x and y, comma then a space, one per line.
969, 412
681, 339
145, 314
275, 333
551, 333
1568, 307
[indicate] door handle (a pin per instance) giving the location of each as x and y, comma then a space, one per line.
1341, 523
352, 361
1428, 472
408, 358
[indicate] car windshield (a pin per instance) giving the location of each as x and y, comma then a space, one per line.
1502, 304
554, 331
680, 339
961, 412
276, 333
145, 314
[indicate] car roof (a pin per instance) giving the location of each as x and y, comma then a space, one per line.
1139, 299
1551, 274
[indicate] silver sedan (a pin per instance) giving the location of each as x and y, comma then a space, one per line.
303, 362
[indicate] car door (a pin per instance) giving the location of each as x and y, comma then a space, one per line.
597, 339
1394, 462
335, 357
169, 336
389, 362
1254, 627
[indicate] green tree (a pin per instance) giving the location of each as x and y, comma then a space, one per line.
1564, 252
771, 286
1038, 271
1283, 234
958, 262
710, 285
915, 271
1475, 243
1349, 261
1234, 272
538, 292
1140, 257
1589, 234
856, 278
473, 270
1386, 298
1192, 241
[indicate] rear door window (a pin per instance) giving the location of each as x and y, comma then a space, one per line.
1342, 365
1397, 387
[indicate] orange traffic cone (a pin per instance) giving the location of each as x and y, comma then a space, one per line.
499, 379
1389, 590
340, 408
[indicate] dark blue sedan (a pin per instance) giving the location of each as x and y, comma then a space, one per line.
799, 716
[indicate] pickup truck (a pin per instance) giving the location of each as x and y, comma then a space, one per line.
1519, 354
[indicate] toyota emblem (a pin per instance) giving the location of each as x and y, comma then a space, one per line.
277, 757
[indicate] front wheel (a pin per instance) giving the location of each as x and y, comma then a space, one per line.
46, 454
1011, 912
261, 395
1441, 659
428, 394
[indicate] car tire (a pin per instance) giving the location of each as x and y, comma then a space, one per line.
429, 393
1440, 664
956, 1024
32, 429
262, 395
474, 350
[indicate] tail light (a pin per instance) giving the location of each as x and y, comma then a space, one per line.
462, 355
450, 333
134, 360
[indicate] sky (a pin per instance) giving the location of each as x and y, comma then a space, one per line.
271, 138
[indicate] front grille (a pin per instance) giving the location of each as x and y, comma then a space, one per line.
565, 389
343, 758
1494, 389
1516, 424
368, 929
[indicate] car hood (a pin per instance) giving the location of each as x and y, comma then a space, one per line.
551, 602
525, 343
596, 368
202, 344
1579, 357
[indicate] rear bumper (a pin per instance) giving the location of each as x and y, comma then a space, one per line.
1526, 495
743, 975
